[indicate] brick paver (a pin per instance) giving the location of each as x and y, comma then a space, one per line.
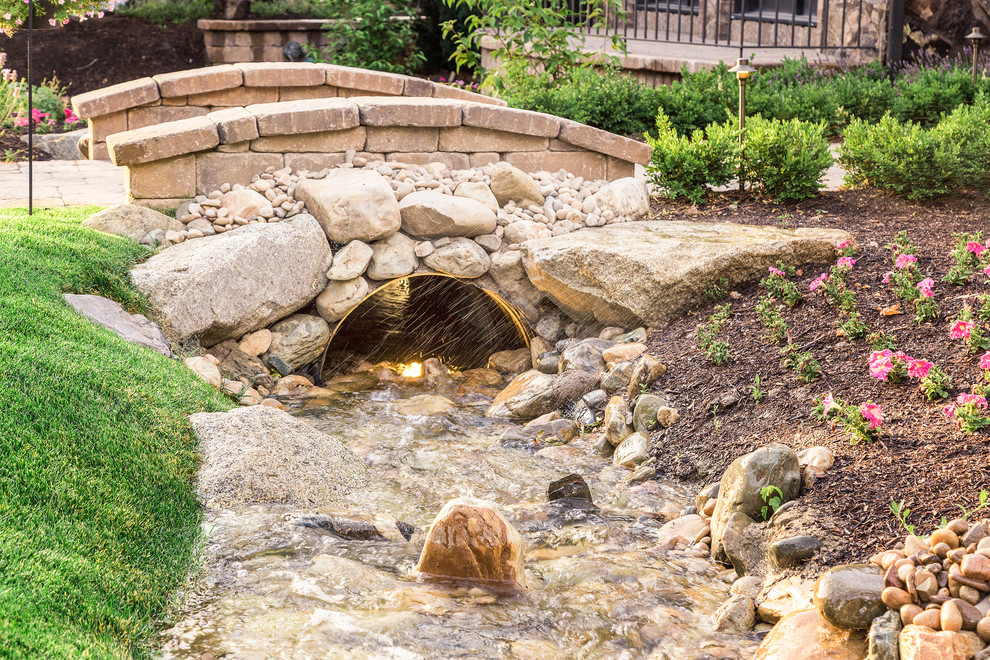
63, 183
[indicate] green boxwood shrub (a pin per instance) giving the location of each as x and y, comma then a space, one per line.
691, 166
786, 160
919, 163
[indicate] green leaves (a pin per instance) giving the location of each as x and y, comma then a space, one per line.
773, 497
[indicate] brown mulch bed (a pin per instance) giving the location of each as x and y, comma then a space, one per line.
920, 457
96, 53
12, 149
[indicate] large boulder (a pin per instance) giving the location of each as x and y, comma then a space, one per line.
224, 286
461, 257
741, 486
260, 455
131, 221
849, 596
350, 261
430, 214
393, 257
804, 635
471, 542
649, 273
299, 339
479, 192
511, 184
624, 197
352, 205
341, 297
135, 328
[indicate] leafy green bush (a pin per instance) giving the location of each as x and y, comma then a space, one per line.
689, 167
167, 11
606, 100
310, 8
924, 95
918, 163
786, 159
371, 34
699, 99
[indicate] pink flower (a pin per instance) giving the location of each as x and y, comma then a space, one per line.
918, 368
961, 329
775, 271
949, 411
985, 361
965, 399
20, 121
52, 22
843, 245
872, 413
818, 281
925, 287
886, 278
975, 248
845, 262
905, 261
829, 404
881, 364
986, 271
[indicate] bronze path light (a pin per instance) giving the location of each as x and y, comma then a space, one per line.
976, 36
743, 71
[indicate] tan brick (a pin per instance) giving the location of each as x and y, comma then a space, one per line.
326, 141
163, 141
104, 125
470, 138
244, 38
363, 79
173, 177
344, 92
282, 74
175, 100
142, 117
511, 120
589, 165
98, 151
234, 125
235, 97
447, 92
199, 81
417, 87
158, 204
314, 162
406, 111
604, 142
235, 148
215, 169
115, 98
454, 161
560, 145
268, 54
302, 93
401, 138
215, 54
482, 158
310, 116
617, 168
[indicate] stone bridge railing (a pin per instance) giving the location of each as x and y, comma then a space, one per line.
170, 162
197, 92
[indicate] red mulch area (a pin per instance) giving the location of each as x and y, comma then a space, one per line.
920, 457
99, 52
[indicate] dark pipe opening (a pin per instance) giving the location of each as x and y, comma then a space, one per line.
426, 316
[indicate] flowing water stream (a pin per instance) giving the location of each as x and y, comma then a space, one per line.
274, 585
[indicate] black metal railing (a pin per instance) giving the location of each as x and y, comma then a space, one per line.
824, 25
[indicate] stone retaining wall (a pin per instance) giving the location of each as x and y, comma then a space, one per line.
231, 41
171, 162
197, 92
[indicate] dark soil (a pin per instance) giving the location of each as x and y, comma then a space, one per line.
920, 457
96, 53
13, 150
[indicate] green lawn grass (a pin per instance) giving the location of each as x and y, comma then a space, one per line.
98, 515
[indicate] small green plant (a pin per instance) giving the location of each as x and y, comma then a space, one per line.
853, 327
966, 255
969, 412
786, 159
936, 384
371, 34
719, 290
715, 350
773, 498
901, 513
772, 319
690, 166
984, 313
984, 500
716, 424
881, 341
755, 390
859, 422
803, 362
778, 286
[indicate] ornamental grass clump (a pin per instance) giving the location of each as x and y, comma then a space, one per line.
859, 422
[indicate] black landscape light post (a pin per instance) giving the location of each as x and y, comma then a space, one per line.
30, 111
743, 71
976, 36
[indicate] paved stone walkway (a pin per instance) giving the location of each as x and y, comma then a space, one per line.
63, 183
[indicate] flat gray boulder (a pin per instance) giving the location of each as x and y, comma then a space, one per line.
650, 273
352, 205
430, 214
131, 221
261, 455
135, 328
225, 286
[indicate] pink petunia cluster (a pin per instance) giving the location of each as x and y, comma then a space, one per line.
818, 282
961, 329
925, 287
845, 262
975, 247
775, 271
881, 363
985, 361
905, 260
872, 413
829, 404
965, 399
